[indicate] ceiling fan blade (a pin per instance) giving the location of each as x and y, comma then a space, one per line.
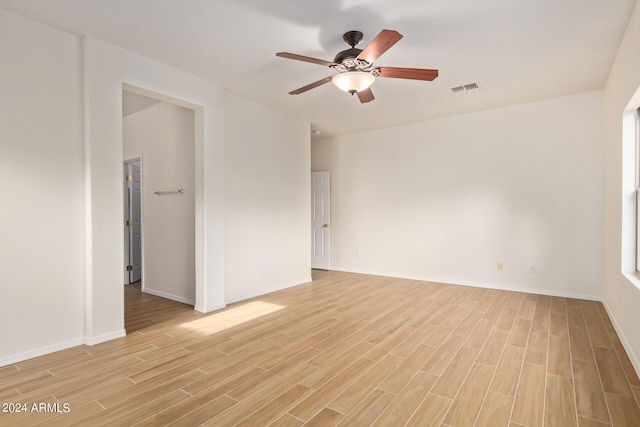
379, 45
408, 73
310, 86
366, 95
305, 59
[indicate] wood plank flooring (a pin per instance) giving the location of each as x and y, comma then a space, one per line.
142, 310
345, 349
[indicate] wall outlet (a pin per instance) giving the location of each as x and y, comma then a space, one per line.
500, 266
533, 269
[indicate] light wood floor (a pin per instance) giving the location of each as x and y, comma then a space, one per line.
346, 349
142, 310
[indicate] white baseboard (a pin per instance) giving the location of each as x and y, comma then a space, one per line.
169, 296
625, 342
20, 357
479, 285
105, 337
209, 309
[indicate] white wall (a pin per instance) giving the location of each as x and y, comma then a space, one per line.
163, 135
621, 297
267, 201
42, 190
446, 200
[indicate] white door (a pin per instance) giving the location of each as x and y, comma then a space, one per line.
133, 227
136, 229
320, 220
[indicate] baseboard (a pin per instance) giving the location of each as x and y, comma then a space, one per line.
625, 343
270, 290
480, 285
209, 309
20, 357
169, 296
105, 337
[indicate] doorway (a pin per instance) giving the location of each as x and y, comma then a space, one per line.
160, 207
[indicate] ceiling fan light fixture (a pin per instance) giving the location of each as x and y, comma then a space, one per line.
354, 67
353, 81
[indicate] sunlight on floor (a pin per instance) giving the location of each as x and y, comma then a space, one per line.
232, 317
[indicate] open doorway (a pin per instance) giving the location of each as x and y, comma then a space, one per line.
159, 138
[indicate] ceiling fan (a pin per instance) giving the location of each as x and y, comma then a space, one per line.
356, 72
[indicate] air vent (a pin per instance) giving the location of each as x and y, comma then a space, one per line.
468, 88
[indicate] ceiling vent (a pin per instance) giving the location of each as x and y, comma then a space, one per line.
468, 88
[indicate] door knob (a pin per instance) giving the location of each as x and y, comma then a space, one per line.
326, 225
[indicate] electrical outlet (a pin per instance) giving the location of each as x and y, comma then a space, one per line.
500, 266
533, 270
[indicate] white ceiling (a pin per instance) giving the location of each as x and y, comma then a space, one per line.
517, 50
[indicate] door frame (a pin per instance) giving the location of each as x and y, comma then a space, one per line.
125, 214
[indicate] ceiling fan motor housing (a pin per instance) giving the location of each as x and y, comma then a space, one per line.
347, 54
347, 60
347, 57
